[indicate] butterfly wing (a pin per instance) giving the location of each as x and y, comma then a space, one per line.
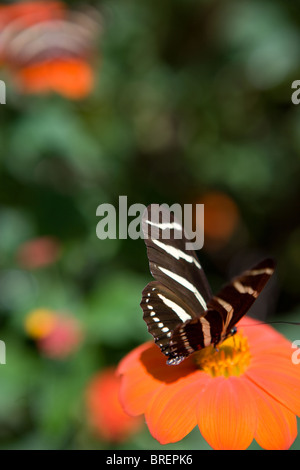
170, 263
234, 299
181, 291
224, 311
163, 312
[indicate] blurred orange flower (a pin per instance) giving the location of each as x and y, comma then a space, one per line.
57, 335
38, 252
248, 389
48, 48
72, 78
105, 414
221, 218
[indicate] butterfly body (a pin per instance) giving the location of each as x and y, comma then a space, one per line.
179, 309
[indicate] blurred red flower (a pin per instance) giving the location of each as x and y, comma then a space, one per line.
48, 48
38, 252
58, 335
248, 389
105, 414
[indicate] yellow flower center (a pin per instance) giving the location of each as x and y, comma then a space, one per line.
232, 357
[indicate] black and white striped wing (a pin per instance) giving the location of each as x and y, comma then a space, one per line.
181, 291
170, 263
163, 312
235, 299
224, 311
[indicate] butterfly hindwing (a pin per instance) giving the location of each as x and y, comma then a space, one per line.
224, 311
196, 334
163, 312
234, 299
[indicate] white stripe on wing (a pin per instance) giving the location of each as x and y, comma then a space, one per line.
176, 308
186, 284
176, 253
164, 225
244, 289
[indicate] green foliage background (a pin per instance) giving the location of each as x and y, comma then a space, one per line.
190, 96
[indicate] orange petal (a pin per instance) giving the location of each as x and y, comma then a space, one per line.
261, 336
171, 414
104, 411
276, 425
279, 377
227, 414
71, 78
137, 387
143, 371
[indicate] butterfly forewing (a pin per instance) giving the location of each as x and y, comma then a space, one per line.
181, 291
170, 262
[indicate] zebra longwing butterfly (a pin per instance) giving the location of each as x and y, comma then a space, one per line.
178, 307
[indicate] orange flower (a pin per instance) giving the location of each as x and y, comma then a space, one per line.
248, 389
48, 48
105, 414
72, 78
221, 219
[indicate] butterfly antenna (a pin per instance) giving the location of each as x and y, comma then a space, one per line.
276, 323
